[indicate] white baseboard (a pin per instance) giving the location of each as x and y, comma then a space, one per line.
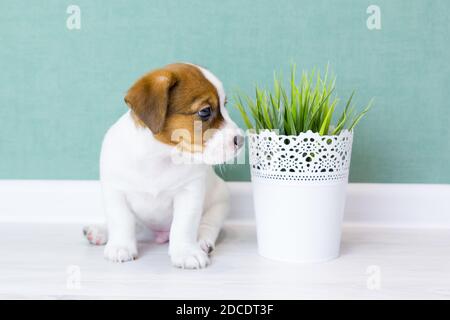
402, 205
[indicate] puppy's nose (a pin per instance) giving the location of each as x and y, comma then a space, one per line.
238, 141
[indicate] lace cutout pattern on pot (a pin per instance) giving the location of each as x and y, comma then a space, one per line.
306, 157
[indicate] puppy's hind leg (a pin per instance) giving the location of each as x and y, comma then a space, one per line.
213, 218
96, 235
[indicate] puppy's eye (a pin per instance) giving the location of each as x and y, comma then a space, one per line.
205, 113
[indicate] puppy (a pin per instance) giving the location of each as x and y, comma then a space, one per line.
155, 166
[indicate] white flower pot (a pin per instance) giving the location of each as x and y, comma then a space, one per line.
299, 186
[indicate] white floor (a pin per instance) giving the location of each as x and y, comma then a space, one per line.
48, 261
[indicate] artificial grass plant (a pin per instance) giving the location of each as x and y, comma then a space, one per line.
307, 105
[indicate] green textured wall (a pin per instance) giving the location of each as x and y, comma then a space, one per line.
60, 89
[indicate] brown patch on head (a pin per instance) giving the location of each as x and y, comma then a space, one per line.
168, 100
149, 98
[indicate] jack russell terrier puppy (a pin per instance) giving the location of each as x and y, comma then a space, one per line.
177, 113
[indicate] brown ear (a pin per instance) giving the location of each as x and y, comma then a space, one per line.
149, 98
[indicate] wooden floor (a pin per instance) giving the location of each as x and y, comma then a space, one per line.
48, 261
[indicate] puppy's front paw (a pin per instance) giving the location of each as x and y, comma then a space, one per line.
120, 253
192, 257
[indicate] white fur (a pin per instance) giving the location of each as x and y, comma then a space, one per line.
141, 184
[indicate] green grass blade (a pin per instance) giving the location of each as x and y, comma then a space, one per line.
361, 115
326, 122
240, 106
